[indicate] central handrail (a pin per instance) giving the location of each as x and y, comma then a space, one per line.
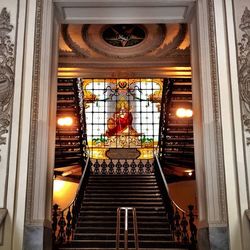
166, 185
118, 227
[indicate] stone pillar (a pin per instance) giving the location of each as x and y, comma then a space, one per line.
241, 11
225, 170
13, 161
7, 61
25, 108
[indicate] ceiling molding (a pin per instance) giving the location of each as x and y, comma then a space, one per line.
73, 45
163, 11
132, 72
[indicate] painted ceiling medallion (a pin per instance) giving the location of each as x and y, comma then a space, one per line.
123, 35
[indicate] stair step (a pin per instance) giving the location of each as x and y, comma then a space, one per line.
125, 195
109, 229
121, 199
121, 191
141, 224
141, 248
123, 182
111, 243
134, 188
123, 204
112, 236
109, 213
113, 217
89, 207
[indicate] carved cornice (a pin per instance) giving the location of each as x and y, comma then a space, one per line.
244, 69
74, 46
217, 114
173, 47
6, 74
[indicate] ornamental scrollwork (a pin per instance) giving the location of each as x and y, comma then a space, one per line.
244, 68
6, 73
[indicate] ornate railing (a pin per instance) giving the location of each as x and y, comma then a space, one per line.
122, 167
79, 93
64, 222
182, 225
164, 116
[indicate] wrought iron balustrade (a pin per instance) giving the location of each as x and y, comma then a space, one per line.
64, 222
122, 167
182, 225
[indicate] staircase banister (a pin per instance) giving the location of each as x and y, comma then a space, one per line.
166, 185
80, 184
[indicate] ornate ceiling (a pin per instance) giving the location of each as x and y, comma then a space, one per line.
81, 45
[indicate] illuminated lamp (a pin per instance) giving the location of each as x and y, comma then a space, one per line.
65, 121
58, 185
189, 172
184, 113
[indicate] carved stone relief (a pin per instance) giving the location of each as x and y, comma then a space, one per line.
6, 74
244, 69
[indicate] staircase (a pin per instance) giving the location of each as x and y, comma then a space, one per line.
96, 227
69, 139
177, 142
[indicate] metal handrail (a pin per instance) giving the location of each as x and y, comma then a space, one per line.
166, 185
80, 184
118, 227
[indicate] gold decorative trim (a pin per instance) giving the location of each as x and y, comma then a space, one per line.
7, 62
217, 114
34, 111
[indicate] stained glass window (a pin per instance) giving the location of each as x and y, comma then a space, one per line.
122, 113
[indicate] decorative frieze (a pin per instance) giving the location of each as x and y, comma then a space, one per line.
244, 69
6, 74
